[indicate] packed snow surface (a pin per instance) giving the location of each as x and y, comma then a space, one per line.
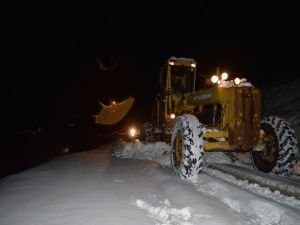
132, 183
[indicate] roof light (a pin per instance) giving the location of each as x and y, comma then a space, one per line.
224, 76
237, 81
214, 79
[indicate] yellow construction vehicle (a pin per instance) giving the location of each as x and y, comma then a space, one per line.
224, 116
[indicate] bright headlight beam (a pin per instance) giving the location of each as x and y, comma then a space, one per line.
132, 132
173, 116
214, 79
193, 65
224, 76
237, 81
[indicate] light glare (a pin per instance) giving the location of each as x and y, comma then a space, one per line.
132, 132
172, 116
237, 81
224, 76
214, 79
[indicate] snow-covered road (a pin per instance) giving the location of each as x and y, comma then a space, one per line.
95, 187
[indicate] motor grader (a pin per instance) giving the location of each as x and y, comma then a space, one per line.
196, 116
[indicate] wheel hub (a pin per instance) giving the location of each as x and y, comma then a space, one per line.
266, 159
270, 148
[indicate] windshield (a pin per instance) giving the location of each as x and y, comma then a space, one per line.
182, 78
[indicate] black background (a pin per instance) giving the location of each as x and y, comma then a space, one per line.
50, 73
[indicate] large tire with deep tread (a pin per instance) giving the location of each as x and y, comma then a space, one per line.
187, 146
147, 133
282, 148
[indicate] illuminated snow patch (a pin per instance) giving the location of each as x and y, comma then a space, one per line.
166, 215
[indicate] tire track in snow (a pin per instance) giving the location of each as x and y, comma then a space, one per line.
256, 210
264, 192
286, 186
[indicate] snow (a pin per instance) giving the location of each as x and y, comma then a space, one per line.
158, 151
165, 214
287, 185
109, 186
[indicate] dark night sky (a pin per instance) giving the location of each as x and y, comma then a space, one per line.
49, 52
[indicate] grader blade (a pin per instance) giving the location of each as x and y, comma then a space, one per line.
113, 113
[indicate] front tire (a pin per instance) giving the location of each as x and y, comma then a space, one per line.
187, 146
280, 147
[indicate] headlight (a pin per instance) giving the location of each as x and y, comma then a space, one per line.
172, 116
237, 81
132, 132
171, 63
224, 76
214, 79
193, 65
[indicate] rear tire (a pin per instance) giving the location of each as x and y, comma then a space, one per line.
187, 146
279, 155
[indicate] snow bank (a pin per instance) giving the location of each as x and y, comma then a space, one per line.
158, 152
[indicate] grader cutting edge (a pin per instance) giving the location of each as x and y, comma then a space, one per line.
224, 116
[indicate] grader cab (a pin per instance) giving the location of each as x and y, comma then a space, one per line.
223, 116
177, 77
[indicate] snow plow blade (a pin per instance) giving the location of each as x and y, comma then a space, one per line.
113, 113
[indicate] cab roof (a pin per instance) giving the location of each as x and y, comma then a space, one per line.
181, 61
